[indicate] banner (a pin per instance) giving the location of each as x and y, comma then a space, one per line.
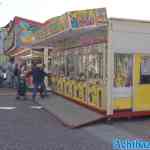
73, 20
52, 26
87, 17
57, 24
24, 32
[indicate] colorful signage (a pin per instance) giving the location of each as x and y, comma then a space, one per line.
24, 32
52, 26
87, 17
57, 24
73, 20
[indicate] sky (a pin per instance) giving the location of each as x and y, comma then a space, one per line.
41, 10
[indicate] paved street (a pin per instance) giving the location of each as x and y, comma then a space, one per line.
26, 127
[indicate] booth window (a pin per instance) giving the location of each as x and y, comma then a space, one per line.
55, 65
61, 65
145, 70
70, 60
50, 64
82, 73
95, 66
123, 66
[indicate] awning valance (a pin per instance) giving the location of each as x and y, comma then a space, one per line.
70, 24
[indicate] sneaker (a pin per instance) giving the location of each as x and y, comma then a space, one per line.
33, 98
24, 98
17, 97
42, 96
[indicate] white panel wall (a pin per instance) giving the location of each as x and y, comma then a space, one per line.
130, 36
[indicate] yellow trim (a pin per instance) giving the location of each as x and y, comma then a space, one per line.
141, 91
92, 92
79, 91
122, 103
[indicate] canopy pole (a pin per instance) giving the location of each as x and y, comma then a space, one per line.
110, 66
46, 59
46, 63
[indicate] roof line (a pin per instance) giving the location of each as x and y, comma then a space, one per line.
29, 20
48, 20
130, 19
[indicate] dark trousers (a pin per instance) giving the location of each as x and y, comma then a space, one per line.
38, 86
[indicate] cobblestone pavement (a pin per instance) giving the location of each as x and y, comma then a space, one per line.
26, 128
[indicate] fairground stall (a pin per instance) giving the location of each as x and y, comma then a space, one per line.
18, 40
101, 63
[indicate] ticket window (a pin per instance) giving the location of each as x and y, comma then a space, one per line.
145, 70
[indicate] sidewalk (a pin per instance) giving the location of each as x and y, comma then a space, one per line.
69, 113
7, 91
10, 92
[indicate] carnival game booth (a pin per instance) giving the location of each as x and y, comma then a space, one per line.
76, 55
100, 63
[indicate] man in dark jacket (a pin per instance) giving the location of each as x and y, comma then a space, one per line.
38, 76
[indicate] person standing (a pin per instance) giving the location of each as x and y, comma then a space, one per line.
10, 73
16, 74
38, 75
1, 77
43, 90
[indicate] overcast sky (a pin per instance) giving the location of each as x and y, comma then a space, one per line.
41, 10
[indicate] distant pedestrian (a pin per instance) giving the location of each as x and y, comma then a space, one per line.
1, 77
17, 73
43, 75
10, 73
21, 87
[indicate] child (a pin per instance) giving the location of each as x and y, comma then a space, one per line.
22, 87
